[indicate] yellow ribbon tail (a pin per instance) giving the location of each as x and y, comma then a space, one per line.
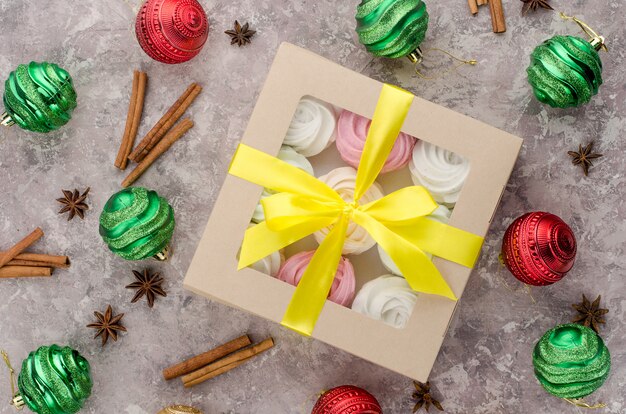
391, 110
270, 172
259, 241
417, 268
310, 295
442, 240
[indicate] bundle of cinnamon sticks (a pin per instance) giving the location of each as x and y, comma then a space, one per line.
497, 13
15, 263
162, 135
217, 361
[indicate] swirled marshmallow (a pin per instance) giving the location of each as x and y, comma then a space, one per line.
440, 171
388, 298
312, 128
343, 287
352, 132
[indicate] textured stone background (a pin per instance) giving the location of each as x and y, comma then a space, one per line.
484, 365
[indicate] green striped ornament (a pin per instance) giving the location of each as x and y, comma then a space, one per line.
136, 223
55, 380
39, 97
565, 71
391, 28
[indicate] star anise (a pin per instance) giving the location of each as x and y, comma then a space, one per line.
74, 202
241, 34
107, 325
534, 5
590, 313
423, 397
147, 284
584, 156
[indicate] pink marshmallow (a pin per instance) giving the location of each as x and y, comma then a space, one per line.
343, 287
352, 131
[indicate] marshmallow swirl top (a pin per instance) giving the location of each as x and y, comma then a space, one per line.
343, 287
343, 180
441, 214
440, 171
290, 156
269, 265
312, 128
352, 132
388, 298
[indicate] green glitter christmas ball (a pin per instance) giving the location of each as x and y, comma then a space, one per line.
391, 28
55, 380
39, 97
571, 361
565, 71
136, 223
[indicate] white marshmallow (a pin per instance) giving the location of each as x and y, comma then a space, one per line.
312, 128
440, 171
388, 298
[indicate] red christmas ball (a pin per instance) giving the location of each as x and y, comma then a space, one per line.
171, 31
347, 399
539, 248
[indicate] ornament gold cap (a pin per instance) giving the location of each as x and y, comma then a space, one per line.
598, 43
6, 120
164, 254
416, 57
18, 402
179, 409
595, 39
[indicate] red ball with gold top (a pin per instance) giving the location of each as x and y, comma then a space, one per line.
539, 248
347, 399
172, 31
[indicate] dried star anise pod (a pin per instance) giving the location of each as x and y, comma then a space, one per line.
535, 4
423, 397
590, 313
584, 156
147, 284
241, 34
107, 325
74, 202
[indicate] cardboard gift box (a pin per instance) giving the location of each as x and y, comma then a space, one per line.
297, 73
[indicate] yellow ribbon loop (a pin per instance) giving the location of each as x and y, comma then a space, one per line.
397, 222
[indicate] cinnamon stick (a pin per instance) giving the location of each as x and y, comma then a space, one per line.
497, 16
482, 2
172, 136
122, 157
226, 364
20, 246
172, 115
39, 260
206, 358
24, 271
473, 5
141, 95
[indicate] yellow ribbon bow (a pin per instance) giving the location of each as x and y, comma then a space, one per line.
397, 222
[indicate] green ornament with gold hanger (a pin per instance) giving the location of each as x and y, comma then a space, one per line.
38, 97
53, 380
136, 223
566, 71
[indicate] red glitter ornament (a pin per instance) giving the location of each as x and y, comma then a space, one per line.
347, 399
171, 31
539, 248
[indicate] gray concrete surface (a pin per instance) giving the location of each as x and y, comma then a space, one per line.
484, 365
